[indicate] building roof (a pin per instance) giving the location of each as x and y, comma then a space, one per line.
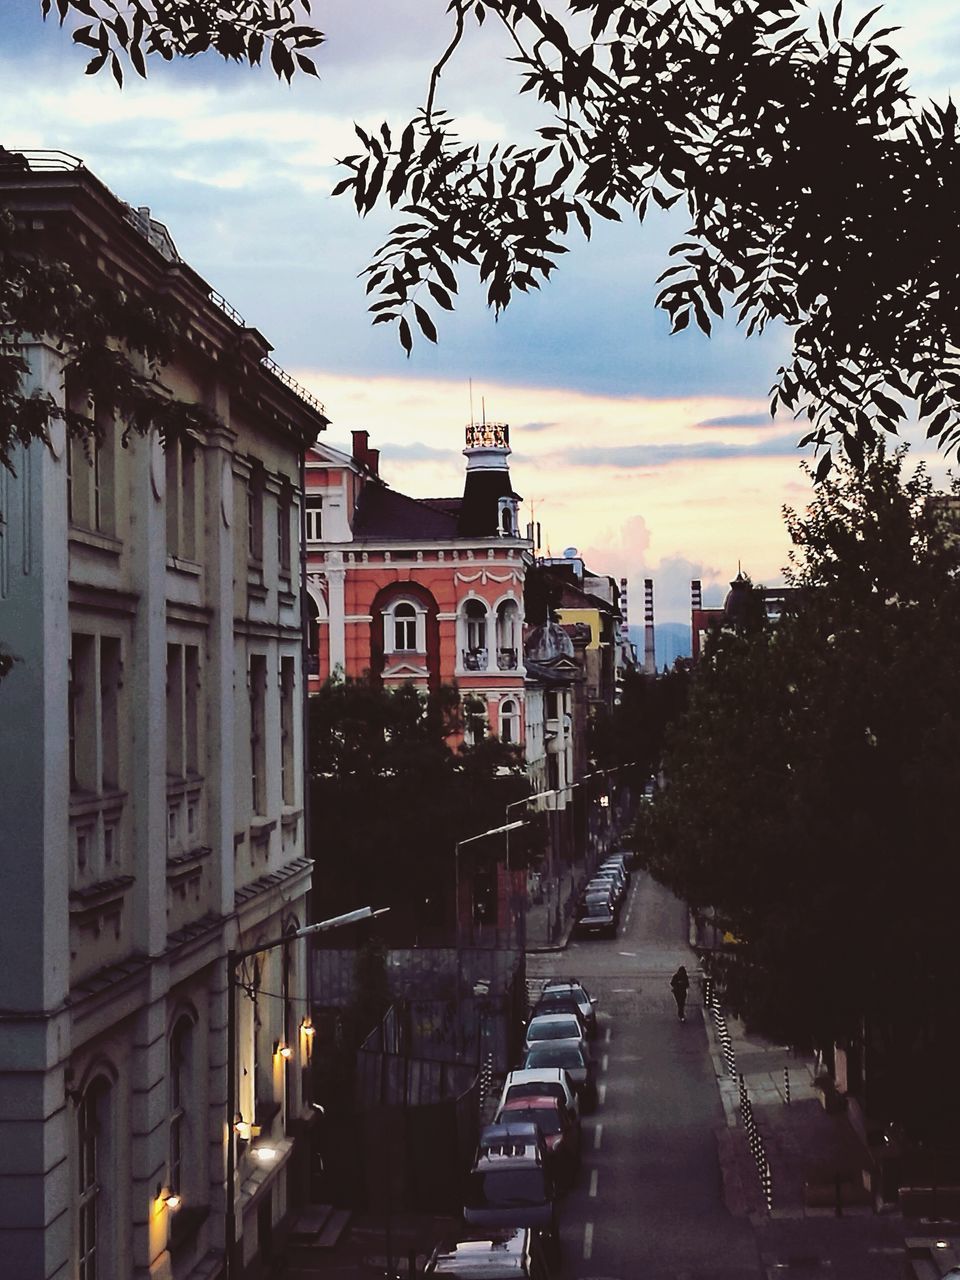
386, 515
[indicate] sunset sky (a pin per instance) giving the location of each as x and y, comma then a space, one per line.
654, 455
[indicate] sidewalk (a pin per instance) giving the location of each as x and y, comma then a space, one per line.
823, 1216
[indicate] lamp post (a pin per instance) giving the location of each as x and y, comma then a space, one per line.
234, 958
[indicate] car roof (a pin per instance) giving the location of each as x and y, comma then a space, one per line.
537, 1075
553, 1017
503, 1134
499, 1253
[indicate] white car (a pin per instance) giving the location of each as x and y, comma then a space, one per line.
536, 1082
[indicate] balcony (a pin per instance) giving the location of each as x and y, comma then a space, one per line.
475, 659
506, 659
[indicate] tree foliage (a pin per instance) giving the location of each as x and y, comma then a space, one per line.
392, 798
238, 30
818, 195
811, 783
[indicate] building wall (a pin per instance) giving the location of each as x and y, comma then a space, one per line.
134, 851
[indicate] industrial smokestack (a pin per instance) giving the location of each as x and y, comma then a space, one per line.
649, 642
696, 594
624, 605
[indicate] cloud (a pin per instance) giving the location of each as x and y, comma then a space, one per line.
524, 427
417, 452
738, 420
663, 455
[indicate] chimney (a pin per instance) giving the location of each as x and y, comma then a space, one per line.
373, 461
360, 446
649, 641
696, 594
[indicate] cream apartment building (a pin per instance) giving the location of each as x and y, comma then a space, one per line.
151, 794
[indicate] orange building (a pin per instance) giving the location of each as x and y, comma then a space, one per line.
421, 590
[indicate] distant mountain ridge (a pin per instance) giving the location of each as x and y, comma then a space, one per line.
671, 641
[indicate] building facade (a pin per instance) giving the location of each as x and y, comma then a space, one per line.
153, 809
425, 591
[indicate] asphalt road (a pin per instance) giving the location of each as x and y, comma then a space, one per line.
648, 1202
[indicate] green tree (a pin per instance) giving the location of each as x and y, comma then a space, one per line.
810, 789
819, 194
392, 798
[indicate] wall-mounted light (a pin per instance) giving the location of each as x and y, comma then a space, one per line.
169, 1199
242, 1128
307, 1027
282, 1049
604, 802
265, 1154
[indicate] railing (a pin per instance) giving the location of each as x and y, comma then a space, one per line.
38, 161
507, 659
474, 659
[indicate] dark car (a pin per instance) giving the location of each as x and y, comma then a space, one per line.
560, 1002
514, 1253
586, 1003
577, 1063
558, 1124
516, 1192
597, 917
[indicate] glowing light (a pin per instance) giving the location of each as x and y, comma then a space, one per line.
265, 1154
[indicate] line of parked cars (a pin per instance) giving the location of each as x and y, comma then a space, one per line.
598, 913
530, 1154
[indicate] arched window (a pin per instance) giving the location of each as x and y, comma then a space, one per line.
313, 636
475, 636
508, 631
405, 627
509, 721
95, 1182
508, 517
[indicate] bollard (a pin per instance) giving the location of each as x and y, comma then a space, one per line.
786, 1086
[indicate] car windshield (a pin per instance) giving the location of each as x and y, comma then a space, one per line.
546, 1119
555, 1056
506, 1188
597, 907
553, 1029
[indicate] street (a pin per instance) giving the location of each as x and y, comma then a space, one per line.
648, 1203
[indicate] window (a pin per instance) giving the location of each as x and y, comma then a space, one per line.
181, 1045
183, 711
255, 487
284, 508
288, 783
509, 721
110, 681
258, 749
183, 463
90, 467
405, 627
314, 517
474, 636
508, 629
93, 1183
313, 636
508, 517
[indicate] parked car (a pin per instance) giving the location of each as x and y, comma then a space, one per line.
597, 917
586, 1002
514, 1253
560, 1002
538, 1082
508, 1140
578, 1064
614, 879
560, 1128
554, 1026
616, 863
519, 1191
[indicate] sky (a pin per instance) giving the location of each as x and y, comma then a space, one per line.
653, 454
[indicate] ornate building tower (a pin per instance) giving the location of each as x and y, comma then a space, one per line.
490, 507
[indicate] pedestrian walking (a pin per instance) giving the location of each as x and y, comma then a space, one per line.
679, 985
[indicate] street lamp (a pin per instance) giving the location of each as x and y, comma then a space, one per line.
234, 959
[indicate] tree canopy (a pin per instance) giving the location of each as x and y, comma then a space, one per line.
819, 195
393, 797
811, 782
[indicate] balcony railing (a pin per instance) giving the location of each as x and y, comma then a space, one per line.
507, 659
474, 659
